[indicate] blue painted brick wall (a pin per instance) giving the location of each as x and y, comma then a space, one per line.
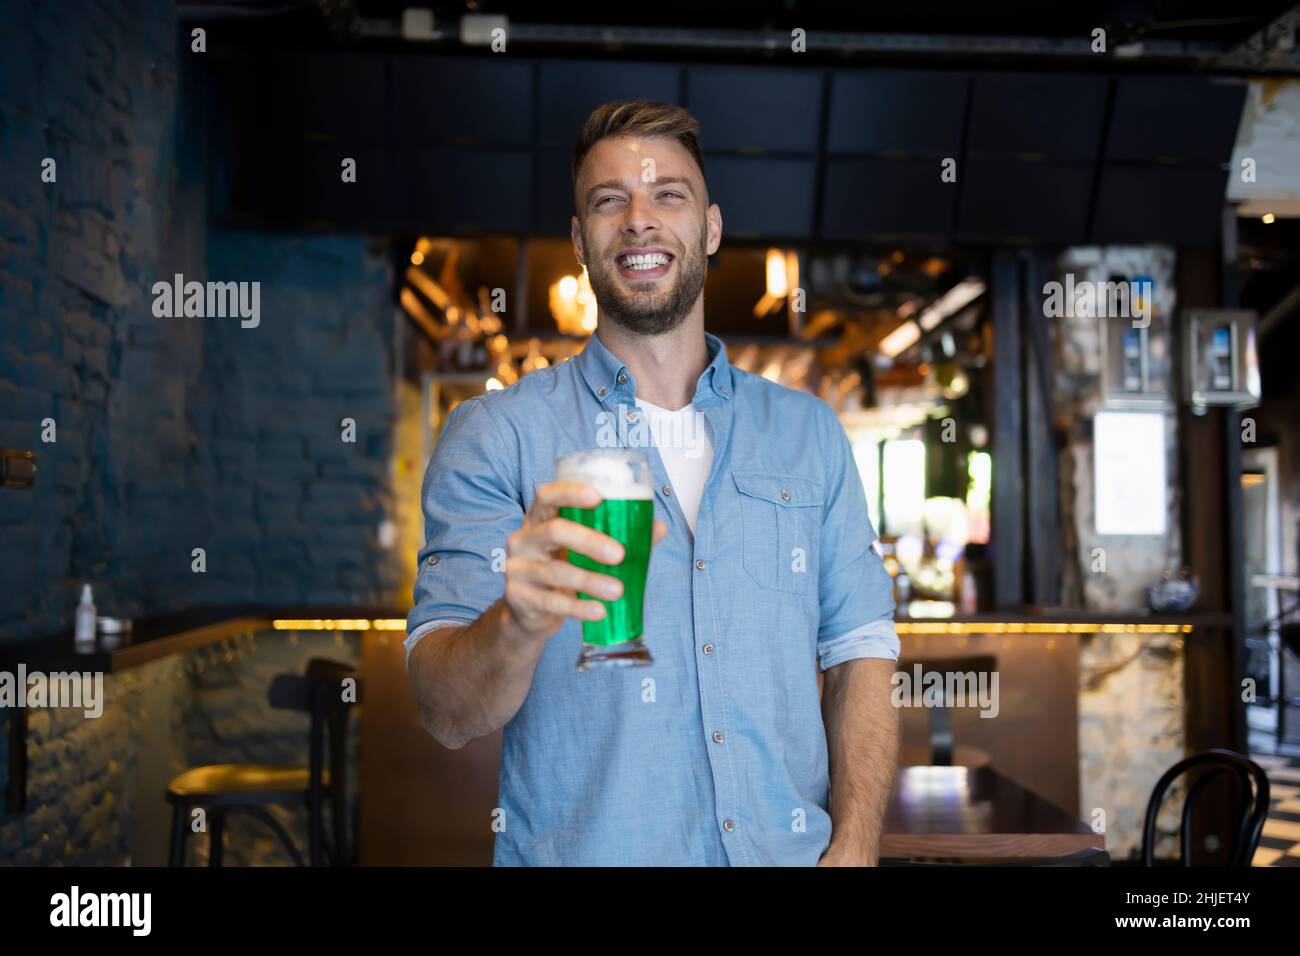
172, 433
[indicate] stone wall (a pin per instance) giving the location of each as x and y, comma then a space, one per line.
82, 773
1130, 732
1131, 686
96, 785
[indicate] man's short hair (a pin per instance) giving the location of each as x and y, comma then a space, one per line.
640, 118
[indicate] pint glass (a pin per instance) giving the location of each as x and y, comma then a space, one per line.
626, 514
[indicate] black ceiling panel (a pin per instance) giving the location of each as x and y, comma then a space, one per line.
302, 97
453, 143
866, 198
763, 197
555, 192
905, 112
1190, 120
1048, 117
570, 91
1177, 205
463, 190
755, 109
304, 186
320, 187
1021, 202
462, 101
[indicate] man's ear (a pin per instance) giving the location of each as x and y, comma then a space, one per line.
575, 234
713, 225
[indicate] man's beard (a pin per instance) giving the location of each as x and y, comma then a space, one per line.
650, 311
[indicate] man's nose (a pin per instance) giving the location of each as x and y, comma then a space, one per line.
640, 215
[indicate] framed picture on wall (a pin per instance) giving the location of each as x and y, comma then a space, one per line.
1129, 472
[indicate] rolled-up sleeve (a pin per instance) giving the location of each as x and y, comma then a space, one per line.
855, 590
414, 635
471, 502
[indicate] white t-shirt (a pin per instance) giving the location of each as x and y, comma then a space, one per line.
685, 442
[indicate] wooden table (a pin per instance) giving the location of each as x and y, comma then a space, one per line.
975, 813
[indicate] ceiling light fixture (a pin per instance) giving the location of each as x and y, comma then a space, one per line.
951, 302
903, 337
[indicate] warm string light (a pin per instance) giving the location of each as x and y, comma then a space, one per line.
341, 624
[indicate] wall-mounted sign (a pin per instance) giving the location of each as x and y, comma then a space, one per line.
1222, 363
1129, 472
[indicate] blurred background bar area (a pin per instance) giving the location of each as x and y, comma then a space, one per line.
1047, 278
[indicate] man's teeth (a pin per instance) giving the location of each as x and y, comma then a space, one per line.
651, 260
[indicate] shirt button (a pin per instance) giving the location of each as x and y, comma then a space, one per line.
722, 389
631, 417
785, 495
601, 391
728, 825
622, 379
699, 565
433, 559
668, 492
718, 737
707, 648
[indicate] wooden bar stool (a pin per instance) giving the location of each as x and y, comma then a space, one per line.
222, 789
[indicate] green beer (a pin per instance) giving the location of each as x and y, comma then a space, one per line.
627, 515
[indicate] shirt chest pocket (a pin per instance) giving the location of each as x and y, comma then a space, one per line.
780, 525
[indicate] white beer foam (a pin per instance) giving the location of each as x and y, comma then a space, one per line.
611, 475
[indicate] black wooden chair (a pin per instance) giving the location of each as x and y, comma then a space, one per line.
1253, 807
223, 789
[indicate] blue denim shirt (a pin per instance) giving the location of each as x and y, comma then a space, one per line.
715, 754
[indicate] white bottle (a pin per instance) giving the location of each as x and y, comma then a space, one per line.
84, 637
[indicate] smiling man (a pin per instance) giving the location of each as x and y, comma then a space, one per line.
762, 570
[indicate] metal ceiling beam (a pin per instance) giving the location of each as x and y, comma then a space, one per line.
836, 41
617, 36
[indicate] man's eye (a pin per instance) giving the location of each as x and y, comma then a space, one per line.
678, 195
602, 201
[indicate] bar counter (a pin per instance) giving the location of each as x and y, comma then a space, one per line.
1035, 741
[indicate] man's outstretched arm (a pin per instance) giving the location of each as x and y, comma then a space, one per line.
469, 681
